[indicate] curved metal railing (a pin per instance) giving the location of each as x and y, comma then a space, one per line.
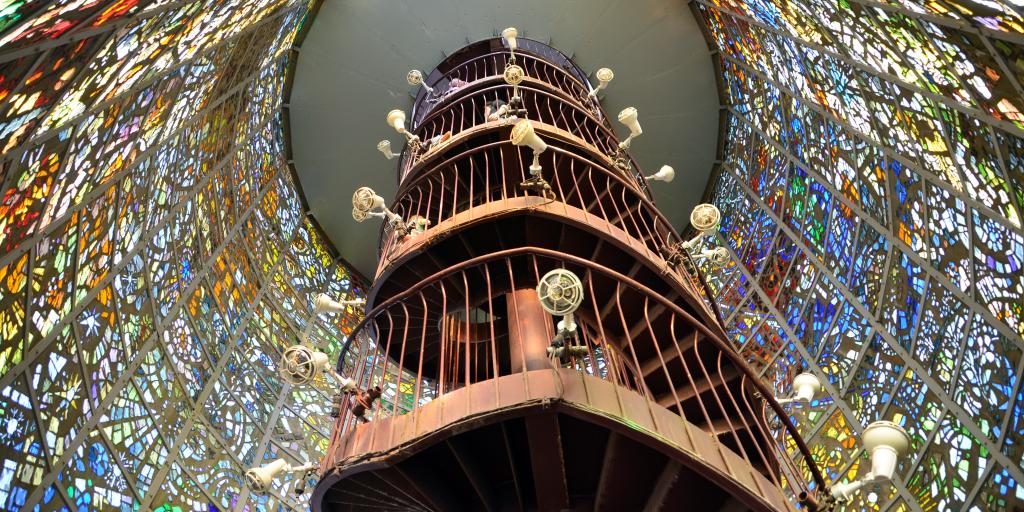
449, 332
551, 108
492, 172
492, 65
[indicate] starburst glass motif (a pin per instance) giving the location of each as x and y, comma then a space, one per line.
872, 189
154, 258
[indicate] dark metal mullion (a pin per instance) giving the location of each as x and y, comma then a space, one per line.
966, 419
34, 497
945, 21
839, 401
80, 31
883, 150
909, 252
113, 180
42, 137
222, 363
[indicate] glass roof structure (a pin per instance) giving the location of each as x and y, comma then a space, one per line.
156, 256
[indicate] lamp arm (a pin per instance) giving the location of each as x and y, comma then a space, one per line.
793, 400
301, 469
624, 145
409, 135
691, 243
843, 492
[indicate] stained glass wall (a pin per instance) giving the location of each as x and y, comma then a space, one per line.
871, 190
154, 256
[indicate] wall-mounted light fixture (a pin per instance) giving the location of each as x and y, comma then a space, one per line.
415, 77
666, 174
366, 203
509, 35
301, 365
717, 257
705, 218
561, 293
630, 118
886, 442
259, 480
384, 147
325, 304
805, 387
523, 134
396, 120
604, 77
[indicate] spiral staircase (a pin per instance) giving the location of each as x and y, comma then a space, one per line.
538, 329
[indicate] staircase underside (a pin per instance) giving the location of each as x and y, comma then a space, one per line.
540, 440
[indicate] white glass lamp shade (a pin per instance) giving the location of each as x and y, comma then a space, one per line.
560, 291
886, 442
414, 77
510, 35
366, 200
523, 135
396, 120
630, 118
604, 75
259, 480
806, 386
666, 174
705, 217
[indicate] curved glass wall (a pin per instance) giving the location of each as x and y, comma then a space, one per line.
154, 255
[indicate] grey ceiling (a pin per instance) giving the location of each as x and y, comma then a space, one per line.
353, 62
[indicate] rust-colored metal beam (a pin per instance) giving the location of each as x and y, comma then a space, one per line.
474, 473
666, 481
545, 439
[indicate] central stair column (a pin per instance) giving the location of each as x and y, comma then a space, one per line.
529, 331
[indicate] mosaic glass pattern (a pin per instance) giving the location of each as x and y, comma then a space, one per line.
154, 258
872, 192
